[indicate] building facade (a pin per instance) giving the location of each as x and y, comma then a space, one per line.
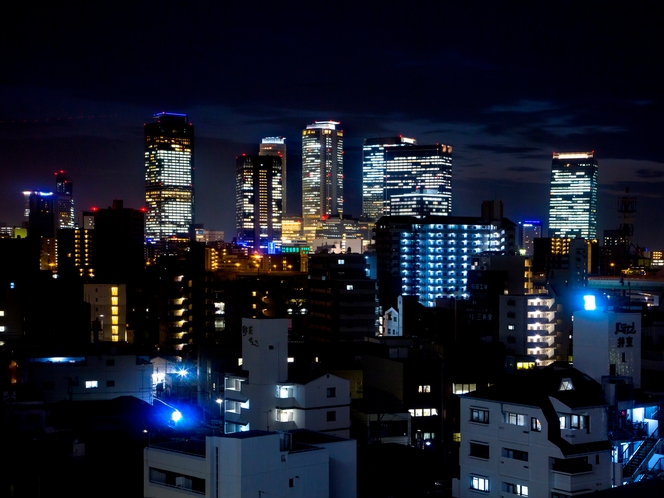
530, 230
322, 174
373, 173
258, 192
169, 176
573, 200
276, 146
64, 190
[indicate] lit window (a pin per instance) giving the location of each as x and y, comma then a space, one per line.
291, 359
114, 291
114, 320
463, 388
563, 421
515, 419
566, 385
91, 384
535, 425
515, 489
510, 327
479, 483
480, 416
2, 328
349, 287
2, 313
114, 301
341, 261
114, 310
424, 389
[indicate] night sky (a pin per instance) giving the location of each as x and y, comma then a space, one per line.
505, 84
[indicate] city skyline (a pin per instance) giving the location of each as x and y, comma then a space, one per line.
501, 84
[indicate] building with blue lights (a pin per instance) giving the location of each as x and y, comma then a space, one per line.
258, 193
276, 146
169, 176
573, 201
431, 257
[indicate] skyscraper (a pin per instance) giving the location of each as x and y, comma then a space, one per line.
258, 190
64, 209
169, 176
398, 166
276, 146
573, 199
322, 174
373, 173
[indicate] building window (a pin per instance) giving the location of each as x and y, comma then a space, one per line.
332, 416
114, 291
515, 489
110, 383
480, 416
566, 385
2, 328
331, 392
479, 483
91, 384
535, 425
341, 261
463, 388
510, 326
423, 389
349, 287
515, 454
291, 482
479, 450
515, 419
563, 421
578, 422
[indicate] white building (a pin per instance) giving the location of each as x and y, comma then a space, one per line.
608, 343
92, 377
269, 399
541, 433
254, 463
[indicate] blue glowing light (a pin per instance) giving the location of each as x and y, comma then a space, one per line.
182, 372
176, 416
589, 303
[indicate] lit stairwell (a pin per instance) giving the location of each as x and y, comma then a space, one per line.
636, 463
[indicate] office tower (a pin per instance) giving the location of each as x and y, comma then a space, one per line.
419, 167
258, 202
64, 209
322, 174
573, 201
420, 204
373, 173
169, 176
530, 230
276, 146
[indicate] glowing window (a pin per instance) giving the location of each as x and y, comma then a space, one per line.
114, 310
91, 384
114, 301
114, 291
114, 320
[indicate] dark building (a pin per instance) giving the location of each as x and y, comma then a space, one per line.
258, 195
64, 191
41, 217
342, 298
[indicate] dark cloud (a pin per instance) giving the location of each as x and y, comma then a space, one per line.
501, 149
524, 169
649, 174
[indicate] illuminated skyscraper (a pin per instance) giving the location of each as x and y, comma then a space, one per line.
64, 210
276, 146
322, 174
398, 166
258, 202
169, 176
573, 200
373, 173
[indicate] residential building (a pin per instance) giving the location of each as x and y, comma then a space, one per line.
373, 173
169, 176
537, 433
258, 193
276, 146
431, 257
108, 307
91, 377
254, 463
573, 201
342, 298
322, 174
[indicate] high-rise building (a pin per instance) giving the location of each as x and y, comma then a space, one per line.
40, 212
322, 174
573, 200
397, 166
276, 146
169, 176
64, 209
258, 202
419, 167
373, 173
